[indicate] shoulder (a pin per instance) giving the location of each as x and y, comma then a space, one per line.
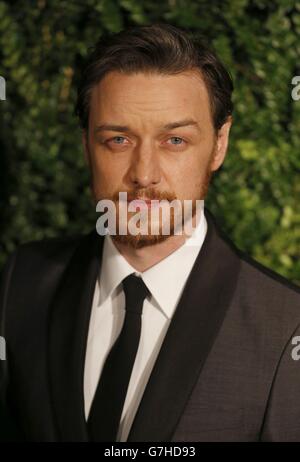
266, 278
262, 292
53, 248
35, 261
47, 251
258, 273
274, 299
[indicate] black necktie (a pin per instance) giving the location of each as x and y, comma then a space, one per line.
107, 406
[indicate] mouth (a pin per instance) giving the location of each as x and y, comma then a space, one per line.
144, 203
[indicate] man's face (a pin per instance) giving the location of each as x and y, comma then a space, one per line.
132, 147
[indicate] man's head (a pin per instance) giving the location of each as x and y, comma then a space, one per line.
155, 108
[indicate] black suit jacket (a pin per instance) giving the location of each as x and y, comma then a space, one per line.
224, 372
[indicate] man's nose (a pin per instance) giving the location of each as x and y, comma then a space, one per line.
144, 169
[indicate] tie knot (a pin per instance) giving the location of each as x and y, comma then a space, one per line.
135, 293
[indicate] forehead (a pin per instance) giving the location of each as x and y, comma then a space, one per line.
148, 96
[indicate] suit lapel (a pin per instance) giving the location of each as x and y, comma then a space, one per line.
68, 329
190, 336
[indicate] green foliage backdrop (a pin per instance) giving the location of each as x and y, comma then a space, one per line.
43, 179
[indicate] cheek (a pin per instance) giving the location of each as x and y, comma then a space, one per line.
200, 162
188, 176
107, 175
190, 167
102, 167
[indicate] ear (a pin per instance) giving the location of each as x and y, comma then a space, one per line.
221, 145
85, 147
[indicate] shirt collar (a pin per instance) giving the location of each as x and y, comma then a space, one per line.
165, 280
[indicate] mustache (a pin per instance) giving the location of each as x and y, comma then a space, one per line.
149, 193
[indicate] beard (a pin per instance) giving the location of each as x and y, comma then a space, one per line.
175, 223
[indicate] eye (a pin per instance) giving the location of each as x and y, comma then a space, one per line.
177, 141
118, 139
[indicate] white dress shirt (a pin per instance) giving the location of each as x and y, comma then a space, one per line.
165, 281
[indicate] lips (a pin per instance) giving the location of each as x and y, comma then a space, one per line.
144, 202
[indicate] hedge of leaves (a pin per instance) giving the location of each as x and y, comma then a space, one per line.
44, 180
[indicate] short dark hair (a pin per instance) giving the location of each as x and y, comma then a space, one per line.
159, 48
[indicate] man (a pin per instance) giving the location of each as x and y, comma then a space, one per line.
145, 336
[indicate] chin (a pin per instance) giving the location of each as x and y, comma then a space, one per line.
139, 241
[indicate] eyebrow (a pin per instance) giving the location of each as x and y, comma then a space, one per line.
169, 126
